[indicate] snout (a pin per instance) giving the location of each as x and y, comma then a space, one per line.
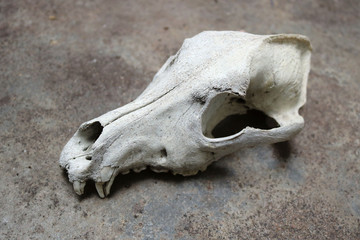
76, 155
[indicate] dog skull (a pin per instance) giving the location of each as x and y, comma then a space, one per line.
197, 109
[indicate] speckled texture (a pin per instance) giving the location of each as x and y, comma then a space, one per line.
63, 62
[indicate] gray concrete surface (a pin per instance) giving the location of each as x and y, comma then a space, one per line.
65, 62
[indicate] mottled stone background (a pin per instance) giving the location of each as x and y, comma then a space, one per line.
65, 62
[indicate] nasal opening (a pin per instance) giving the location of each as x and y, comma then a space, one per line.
88, 134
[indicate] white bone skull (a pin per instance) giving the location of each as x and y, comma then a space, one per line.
197, 109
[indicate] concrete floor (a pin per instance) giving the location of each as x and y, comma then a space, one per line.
65, 62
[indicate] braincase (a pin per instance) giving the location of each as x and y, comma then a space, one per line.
235, 59
278, 75
207, 48
205, 58
213, 55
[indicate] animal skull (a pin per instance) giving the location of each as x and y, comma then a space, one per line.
197, 109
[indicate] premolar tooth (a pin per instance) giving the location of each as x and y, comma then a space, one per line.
79, 187
159, 170
100, 189
139, 169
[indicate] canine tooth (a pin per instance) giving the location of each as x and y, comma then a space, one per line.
100, 189
79, 187
110, 183
106, 173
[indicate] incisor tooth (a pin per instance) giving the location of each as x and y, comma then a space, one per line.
100, 189
79, 187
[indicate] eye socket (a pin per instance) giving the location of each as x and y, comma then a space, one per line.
228, 114
234, 123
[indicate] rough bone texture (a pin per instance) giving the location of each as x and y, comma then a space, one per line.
222, 91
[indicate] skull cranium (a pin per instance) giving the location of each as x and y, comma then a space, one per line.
197, 109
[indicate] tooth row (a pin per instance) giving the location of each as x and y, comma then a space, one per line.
103, 188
